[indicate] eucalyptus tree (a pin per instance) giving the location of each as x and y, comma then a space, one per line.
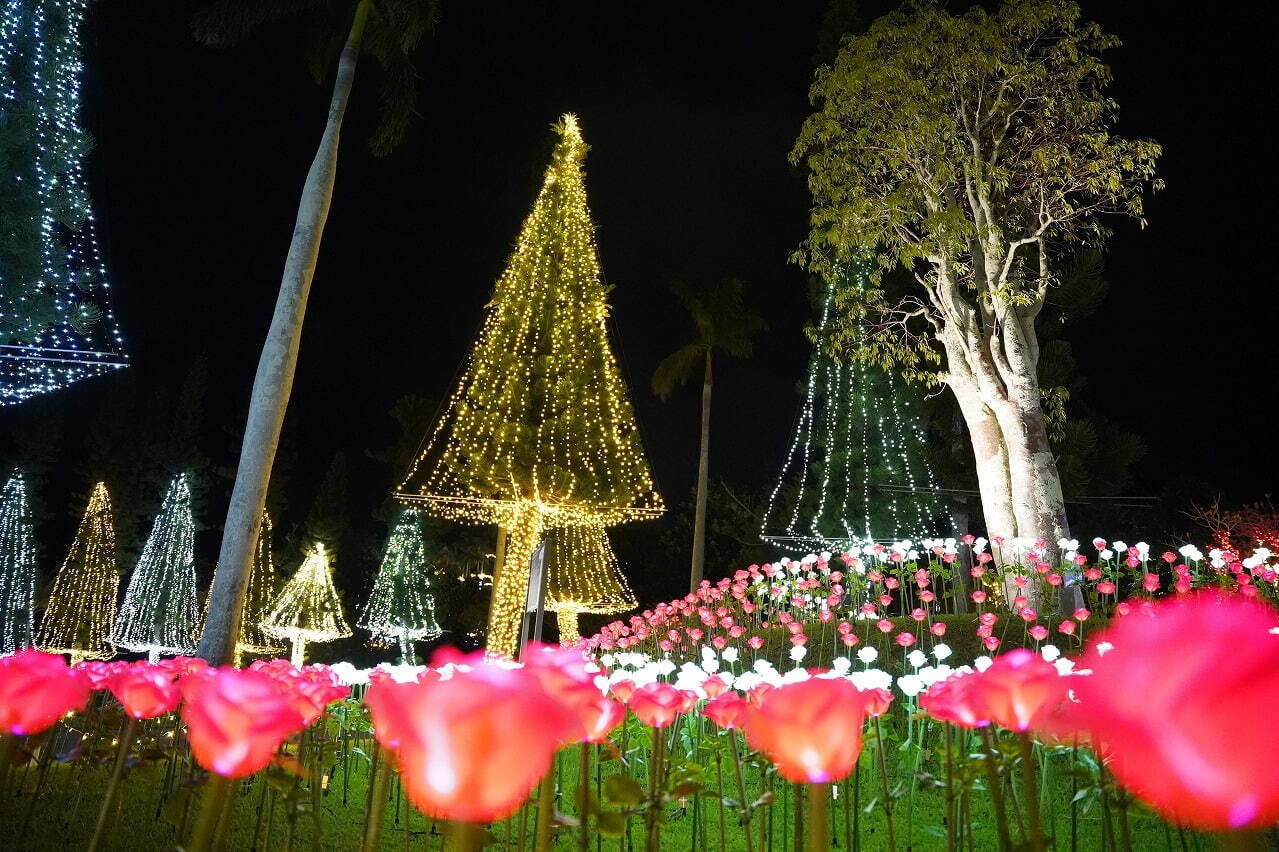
388, 32
723, 324
975, 150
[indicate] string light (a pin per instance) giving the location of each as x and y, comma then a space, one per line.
81, 610
261, 594
539, 432
856, 428
400, 609
583, 575
160, 613
308, 608
56, 322
17, 567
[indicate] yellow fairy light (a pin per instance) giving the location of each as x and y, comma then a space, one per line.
583, 575
261, 594
81, 610
539, 432
308, 608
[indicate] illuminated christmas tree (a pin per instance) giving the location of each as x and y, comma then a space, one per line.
308, 608
855, 470
160, 613
56, 325
81, 610
17, 568
583, 575
401, 609
539, 432
261, 594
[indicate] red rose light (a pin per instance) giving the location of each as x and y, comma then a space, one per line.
236, 719
657, 704
471, 746
1165, 701
1016, 687
728, 710
954, 700
36, 690
812, 729
145, 691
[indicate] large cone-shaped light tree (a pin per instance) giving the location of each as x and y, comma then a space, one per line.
308, 608
401, 609
81, 610
583, 575
160, 613
971, 150
539, 432
17, 567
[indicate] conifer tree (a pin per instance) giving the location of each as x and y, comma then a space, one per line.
308, 608
856, 469
160, 613
583, 575
17, 567
82, 604
401, 609
539, 432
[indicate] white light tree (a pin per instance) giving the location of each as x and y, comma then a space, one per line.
400, 608
17, 567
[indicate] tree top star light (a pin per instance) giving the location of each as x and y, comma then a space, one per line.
56, 323
539, 432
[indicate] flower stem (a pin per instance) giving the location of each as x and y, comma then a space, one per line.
8, 748
996, 791
216, 794
108, 799
652, 817
950, 792
467, 837
1030, 791
741, 792
818, 839
545, 812
377, 802
584, 796
883, 777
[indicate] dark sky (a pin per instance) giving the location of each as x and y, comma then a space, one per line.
690, 109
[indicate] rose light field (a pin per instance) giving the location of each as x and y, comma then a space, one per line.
837, 594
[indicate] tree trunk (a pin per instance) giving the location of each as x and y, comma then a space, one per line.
703, 483
510, 581
274, 379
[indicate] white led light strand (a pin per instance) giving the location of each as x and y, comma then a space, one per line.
400, 609
308, 608
17, 568
81, 611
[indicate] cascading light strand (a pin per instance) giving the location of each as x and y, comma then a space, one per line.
82, 603
308, 608
17, 567
400, 609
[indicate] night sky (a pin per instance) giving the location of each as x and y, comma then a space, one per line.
690, 109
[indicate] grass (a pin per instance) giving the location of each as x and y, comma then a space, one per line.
277, 810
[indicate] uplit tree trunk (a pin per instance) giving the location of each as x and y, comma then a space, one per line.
274, 379
703, 483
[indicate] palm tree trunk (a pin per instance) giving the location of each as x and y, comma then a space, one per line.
703, 477
274, 379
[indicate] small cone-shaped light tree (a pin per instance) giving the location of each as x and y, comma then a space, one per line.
17, 568
583, 575
161, 613
401, 609
856, 470
81, 610
539, 431
308, 608
261, 594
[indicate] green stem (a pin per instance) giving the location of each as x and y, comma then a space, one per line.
466, 837
584, 796
818, 818
950, 792
8, 748
545, 812
108, 800
652, 816
883, 777
719, 777
216, 794
741, 791
996, 791
377, 802
1029, 777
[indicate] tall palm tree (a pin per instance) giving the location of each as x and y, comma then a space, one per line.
724, 325
388, 31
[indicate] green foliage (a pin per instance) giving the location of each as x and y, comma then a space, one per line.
326, 523
958, 144
723, 323
391, 37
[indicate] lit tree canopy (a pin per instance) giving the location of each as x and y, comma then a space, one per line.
81, 610
160, 612
308, 608
583, 574
971, 149
401, 609
17, 567
539, 431
55, 323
